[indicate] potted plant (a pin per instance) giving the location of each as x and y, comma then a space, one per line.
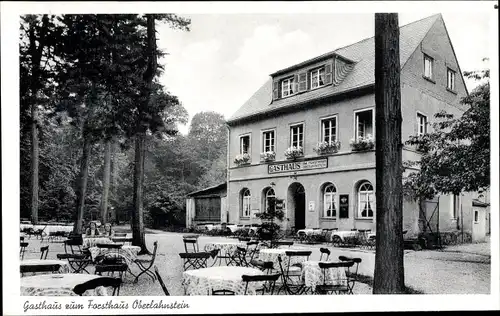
327, 148
268, 156
294, 152
242, 159
363, 143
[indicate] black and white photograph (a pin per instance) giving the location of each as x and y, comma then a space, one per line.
287, 156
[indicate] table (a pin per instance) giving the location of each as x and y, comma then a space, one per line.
226, 249
129, 253
58, 285
313, 275
89, 242
204, 281
63, 265
273, 254
349, 234
310, 231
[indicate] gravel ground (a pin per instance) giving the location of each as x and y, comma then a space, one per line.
457, 270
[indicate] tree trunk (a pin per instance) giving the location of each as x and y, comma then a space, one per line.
106, 181
389, 270
138, 237
34, 164
82, 185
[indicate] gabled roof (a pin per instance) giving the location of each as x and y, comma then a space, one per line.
211, 190
362, 53
476, 202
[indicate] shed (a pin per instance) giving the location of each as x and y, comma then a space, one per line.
207, 206
481, 221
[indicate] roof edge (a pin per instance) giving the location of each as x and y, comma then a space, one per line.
207, 189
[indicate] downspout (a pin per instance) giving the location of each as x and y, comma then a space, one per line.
227, 173
462, 219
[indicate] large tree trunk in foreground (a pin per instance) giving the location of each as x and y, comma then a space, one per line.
389, 270
138, 237
106, 181
82, 185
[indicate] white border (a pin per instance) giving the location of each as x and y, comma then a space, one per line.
207, 305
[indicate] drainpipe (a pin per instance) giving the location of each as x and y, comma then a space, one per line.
462, 218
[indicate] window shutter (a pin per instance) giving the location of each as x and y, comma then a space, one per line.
328, 74
276, 89
302, 81
295, 83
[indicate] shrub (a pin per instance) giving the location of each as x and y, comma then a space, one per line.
363, 143
242, 159
327, 148
294, 152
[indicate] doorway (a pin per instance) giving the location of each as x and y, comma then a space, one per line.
297, 201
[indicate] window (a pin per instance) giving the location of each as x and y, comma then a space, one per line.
329, 130
428, 67
268, 196
329, 199
317, 78
268, 141
245, 203
450, 80
422, 124
297, 135
455, 205
366, 200
245, 144
476, 216
287, 87
364, 124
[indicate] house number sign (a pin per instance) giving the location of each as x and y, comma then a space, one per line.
298, 165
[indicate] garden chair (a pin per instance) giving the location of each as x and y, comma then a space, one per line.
195, 260
145, 264
53, 268
264, 266
279, 243
223, 292
252, 250
287, 286
342, 286
160, 280
21, 238
302, 237
44, 251
191, 241
294, 271
239, 258
324, 252
23, 246
40, 232
74, 243
352, 277
268, 280
114, 283
77, 261
120, 268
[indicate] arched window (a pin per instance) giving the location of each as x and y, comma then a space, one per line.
366, 200
245, 203
330, 201
268, 196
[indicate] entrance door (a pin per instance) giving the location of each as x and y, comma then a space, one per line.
299, 198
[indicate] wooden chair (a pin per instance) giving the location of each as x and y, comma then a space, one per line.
23, 246
52, 268
44, 251
195, 260
352, 278
78, 262
193, 242
343, 287
165, 290
238, 258
120, 268
269, 281
40, 232
265, 266
145, 264
252, 250
294, 271
114, 283
324, 252
287, 286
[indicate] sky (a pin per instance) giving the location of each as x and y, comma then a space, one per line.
225, 58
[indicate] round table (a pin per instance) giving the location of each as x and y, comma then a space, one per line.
129, 253
89, 242
58, 285
313, 275
63, 265
226, 249
204, 281
272, 254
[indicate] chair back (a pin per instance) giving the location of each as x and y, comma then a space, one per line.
262, 265
195, 260
191, 241
115, 283
282, 243
240, 256
269, 278
22, 250
44, 251
325, 266
160, 280
114, 267
21, 238
324, 252
40, 268
223, 292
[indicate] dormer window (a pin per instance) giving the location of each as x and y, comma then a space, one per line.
287, 87
317, 77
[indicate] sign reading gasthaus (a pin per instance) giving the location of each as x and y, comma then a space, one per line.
298, 165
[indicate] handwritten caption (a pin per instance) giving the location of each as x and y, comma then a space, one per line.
110, 304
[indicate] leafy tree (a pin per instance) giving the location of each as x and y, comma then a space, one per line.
217, 173
456, 154
269, 229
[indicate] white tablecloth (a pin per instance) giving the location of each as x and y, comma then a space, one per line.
350, 234
313, 275
49, 229
89, 242
274, 253
63, 265
58, 285
129, 253
225, 247
203, 281
310, 231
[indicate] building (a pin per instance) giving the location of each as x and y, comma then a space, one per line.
207, 206
330, 99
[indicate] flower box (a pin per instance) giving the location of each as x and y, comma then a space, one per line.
268, 156
242, 159
325, 148
363, 143
294, 152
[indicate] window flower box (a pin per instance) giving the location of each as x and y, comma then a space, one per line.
363, 143
242, 159
325, 148
268, 156
293, 152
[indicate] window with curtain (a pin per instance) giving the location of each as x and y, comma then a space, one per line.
329, 200
269, 195
366, 200
245, 203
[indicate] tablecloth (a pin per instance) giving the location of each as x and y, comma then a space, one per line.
348, 233
225, 247
63, 265
129, 253
274, 253
49, 229
313, 275
310, 231
204, 281
58, 285
89, 242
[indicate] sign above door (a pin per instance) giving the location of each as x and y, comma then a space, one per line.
298, 165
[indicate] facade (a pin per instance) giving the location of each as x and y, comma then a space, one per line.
292, 139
